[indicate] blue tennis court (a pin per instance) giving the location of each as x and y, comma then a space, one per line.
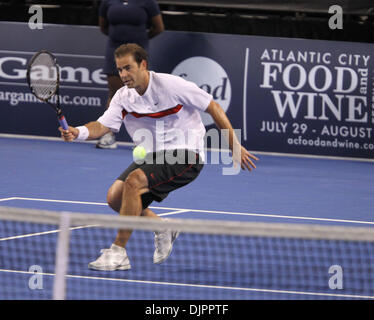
52, 175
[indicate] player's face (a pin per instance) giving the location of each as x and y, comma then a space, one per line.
132, 74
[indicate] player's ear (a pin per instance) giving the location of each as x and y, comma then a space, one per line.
144, 64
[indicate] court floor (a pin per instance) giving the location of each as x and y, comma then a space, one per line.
53, 175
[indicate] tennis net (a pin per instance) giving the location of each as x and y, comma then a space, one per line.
45, 255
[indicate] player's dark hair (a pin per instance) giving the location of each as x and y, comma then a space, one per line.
138, 53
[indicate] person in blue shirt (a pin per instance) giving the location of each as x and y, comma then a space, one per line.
132, 21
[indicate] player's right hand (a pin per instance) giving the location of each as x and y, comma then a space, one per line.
70, 134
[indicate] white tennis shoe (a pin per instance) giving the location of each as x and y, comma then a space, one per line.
111, 259
164, 244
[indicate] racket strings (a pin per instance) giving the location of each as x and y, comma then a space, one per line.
44, 76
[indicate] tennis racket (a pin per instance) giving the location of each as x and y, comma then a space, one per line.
43, 78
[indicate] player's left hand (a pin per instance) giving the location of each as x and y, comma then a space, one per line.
244, 158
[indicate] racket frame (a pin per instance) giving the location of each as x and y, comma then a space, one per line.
57, 107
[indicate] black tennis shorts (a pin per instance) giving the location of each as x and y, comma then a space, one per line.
164, 177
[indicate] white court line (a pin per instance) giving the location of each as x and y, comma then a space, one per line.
180, 210
43, 233
199, 285
172, 212
57, 201
74, 228
8, 199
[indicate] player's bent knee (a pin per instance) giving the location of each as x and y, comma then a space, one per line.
114, 195
113, 203
136, 180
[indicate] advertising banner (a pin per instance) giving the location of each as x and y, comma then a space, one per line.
283, 95
316, 97
83, 87
286, 95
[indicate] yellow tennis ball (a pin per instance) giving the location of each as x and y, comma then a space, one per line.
139, 153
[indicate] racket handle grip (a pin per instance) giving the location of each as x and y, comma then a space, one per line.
63, 122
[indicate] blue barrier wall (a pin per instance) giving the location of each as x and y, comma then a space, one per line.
285, 95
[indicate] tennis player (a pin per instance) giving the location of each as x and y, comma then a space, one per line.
146, 99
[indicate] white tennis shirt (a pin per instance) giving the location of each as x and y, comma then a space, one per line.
165, 117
